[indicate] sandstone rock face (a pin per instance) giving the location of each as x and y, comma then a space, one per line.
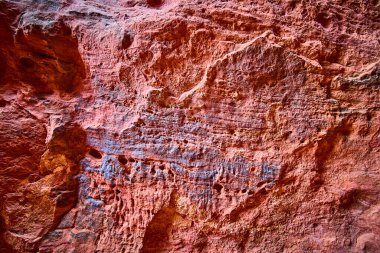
189, 126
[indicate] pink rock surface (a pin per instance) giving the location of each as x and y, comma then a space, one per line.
189, 126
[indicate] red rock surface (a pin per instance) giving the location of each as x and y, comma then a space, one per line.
189, 126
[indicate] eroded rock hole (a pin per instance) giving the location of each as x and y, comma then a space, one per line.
26, 63
218, 187
122, 159
158, 231
3, 103
94, 153
127, 40
323, 19
50, 62
155, 3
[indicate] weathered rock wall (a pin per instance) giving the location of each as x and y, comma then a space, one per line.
189, 126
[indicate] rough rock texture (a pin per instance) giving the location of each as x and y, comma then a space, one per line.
189, 126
